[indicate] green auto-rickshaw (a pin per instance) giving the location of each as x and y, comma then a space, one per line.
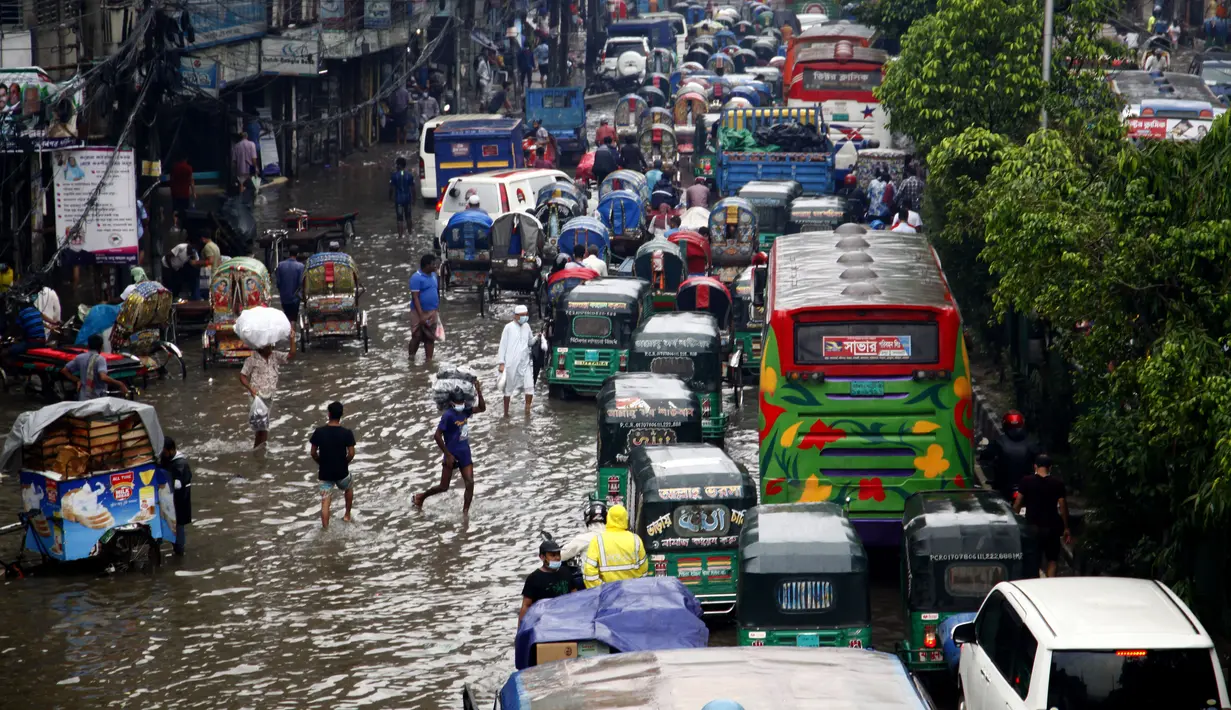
956, 546
593, 328
803, 578
689, 346
772, 201
637, 409
748, 314
688, 503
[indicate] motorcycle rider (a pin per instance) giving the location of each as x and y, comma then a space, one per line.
595, 518
616, 553
1010, 458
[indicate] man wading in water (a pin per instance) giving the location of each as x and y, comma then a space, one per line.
453, 438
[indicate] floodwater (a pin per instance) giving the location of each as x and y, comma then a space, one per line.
397, 609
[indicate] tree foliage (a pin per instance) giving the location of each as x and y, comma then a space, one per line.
1132, 241
893, 17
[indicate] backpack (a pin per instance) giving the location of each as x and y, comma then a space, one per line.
605, 161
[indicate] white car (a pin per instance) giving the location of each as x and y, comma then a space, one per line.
1078, 643
625, 57
499, 192
427, 152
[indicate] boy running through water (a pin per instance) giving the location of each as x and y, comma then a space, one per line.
453, 438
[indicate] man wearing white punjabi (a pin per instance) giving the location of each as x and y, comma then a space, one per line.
515, 358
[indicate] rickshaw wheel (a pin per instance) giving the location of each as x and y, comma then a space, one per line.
133, 551
167, 361
557, 392
365, 340
493, 291
737, 381
306, 337
482, 300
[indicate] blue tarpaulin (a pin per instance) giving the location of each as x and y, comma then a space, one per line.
98, 320
952, 652
647, 614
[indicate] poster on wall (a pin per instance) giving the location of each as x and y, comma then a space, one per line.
109, 232
333, 14
377, 15
268, 146
35, 112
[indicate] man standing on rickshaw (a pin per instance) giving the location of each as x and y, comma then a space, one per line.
514, 358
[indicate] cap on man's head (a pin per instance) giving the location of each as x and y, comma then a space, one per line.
548, 546
457, 396
521, 310
473, 201
604, 121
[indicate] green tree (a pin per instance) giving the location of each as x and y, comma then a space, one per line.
894, 17
1132, 243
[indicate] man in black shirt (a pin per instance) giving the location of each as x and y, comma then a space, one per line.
630, 155
333, 447
547, 582
500, 100
1047, 511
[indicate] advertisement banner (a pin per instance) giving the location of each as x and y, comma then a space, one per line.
37, 114
268, 146
70, 517
867, 347
377, 15
1176, 129
290, 57
109, 232
333, 14
200, 73
215, 22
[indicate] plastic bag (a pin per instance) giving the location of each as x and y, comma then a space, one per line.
443, 389
449, 371
258, 415
262, 327
440, 331
504, 376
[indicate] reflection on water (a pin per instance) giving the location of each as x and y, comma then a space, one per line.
398, 608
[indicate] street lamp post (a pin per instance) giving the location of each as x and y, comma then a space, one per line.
1049, 12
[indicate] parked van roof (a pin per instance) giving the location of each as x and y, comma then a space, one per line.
1106, 613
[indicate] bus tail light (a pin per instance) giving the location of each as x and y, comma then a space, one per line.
422, 170
560, 360
929, 637
504, 199
920, 375
623, 361
440, 202
817, 377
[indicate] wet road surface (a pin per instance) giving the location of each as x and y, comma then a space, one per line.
400, 607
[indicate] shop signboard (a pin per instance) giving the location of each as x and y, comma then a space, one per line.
290, 57
109, 231
377, 15
215, 22
200, 74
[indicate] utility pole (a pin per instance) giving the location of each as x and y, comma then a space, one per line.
1049, 13
555, 23
566, 27
458, 25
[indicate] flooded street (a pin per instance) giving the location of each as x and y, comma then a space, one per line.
399, 608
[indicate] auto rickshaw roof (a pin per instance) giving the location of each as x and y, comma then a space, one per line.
800, 538
633, 390
766, 677
807, 271
662, 328
968, 524
468, 217
628, 291
806, 208
785, 190
688, 466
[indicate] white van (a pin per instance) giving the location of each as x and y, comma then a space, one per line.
499, 192
427, 152
1087, 643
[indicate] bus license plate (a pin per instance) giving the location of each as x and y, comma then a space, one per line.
867, 389
511, 263
591, 356
808, 641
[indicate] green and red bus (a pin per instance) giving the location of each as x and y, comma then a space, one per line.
865, 382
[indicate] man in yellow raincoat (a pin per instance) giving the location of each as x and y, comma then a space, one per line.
616, 553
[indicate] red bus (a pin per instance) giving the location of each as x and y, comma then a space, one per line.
859, 35
841, 77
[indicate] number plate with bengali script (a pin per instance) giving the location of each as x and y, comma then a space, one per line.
867, 389
808, 641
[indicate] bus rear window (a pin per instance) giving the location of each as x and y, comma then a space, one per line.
866, 342
1132, 680
591, 327
973, 580
804, 595
836, 80
681, 367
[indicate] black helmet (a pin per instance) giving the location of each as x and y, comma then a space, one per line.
596, 512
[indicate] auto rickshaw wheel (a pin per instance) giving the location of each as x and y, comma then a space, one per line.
133, 551
493, 290
737, 381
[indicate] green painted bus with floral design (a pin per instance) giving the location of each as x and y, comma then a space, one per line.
865, 384
803, 578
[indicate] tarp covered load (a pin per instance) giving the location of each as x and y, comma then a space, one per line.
792, 137
30, 425
644, 614
767, 677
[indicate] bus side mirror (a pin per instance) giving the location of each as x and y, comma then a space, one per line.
964, 633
